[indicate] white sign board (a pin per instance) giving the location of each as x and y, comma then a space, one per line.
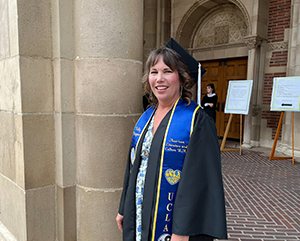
238, 97
286, 94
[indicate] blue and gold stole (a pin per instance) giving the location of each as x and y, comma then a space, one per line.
176, 139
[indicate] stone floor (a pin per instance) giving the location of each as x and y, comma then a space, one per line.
262, 196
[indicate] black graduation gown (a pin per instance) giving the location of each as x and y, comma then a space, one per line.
199, 208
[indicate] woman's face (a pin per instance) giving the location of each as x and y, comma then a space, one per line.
164, 83
209, 90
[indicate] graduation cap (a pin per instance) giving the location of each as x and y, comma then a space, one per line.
192, 64
189, 60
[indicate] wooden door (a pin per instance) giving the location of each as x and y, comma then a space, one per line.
220, 73
213, 75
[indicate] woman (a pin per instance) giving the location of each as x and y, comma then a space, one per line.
209, 101
173, 184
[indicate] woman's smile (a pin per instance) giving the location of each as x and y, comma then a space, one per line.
161, 88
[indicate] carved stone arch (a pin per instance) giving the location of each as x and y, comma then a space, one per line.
223, 24
192, 17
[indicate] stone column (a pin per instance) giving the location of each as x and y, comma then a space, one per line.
12, 176
27, 148
252, 43
163, 11
258, 94
156, 24
293, 69
64, 115
108, 101
150, 26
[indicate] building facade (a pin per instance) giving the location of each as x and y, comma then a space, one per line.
70, 94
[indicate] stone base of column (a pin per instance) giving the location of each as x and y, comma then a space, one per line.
246, 145
255, 143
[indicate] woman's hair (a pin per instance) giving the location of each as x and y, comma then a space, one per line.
175, 63
212, 86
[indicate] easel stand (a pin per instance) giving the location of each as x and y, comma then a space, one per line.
272, 157
226, 134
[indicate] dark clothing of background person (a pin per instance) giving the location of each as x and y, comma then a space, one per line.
211, 111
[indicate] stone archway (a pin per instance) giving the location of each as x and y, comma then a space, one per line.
222, 25
198, 12
215, 33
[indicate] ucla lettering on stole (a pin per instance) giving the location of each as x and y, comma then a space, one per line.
169, 208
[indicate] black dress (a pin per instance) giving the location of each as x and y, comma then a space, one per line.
199, 208
211, 111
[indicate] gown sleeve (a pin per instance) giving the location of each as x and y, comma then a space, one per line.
199, 207
125, 185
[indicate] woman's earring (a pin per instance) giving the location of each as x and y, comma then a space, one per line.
181, 89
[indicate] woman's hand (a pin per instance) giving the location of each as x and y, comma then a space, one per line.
176, 237
119, 220
210, 104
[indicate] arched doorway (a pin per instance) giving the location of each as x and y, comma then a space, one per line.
224, 27
217, 41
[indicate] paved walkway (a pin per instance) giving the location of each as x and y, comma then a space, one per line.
262, 197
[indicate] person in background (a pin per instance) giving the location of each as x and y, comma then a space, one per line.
173, 189
209, 101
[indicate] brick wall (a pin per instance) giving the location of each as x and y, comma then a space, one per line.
278, 59
279, 20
